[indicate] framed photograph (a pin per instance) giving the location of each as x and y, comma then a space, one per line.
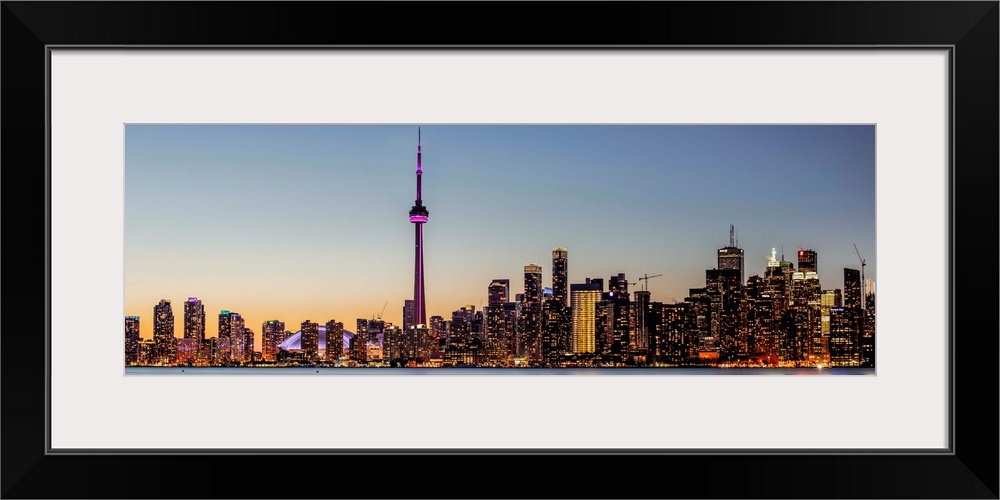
222, 184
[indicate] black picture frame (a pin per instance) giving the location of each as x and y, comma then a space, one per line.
969, 28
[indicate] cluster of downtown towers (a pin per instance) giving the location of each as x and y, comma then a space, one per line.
783, 319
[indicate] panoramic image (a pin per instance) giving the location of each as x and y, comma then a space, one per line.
723, 248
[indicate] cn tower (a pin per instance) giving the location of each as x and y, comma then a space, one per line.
418, 216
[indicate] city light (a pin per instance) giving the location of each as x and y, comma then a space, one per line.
782, 318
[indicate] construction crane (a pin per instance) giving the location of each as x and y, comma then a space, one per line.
646, 278
862, 259
383, 310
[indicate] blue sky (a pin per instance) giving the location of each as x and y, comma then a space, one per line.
310, 222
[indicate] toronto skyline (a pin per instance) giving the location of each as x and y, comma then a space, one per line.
297, 222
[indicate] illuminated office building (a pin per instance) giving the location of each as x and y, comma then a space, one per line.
560, 275
778, 282
499, 291
852, 288
731, 257
583, 301
807, 261
501, 332
844, 349
670, 346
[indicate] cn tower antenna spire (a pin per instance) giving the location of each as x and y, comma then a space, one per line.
418, 217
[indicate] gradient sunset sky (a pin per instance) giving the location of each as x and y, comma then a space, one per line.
296, 222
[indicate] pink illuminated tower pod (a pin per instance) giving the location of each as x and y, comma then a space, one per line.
418, 216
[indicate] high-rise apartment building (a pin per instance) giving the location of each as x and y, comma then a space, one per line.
642, 321
334, 341
530, 335
272, 334
309, 341
131, 340
194, 319
163, 332
232, 328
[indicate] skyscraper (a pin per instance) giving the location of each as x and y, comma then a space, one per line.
499, 291
531, 333
807, 261
844, 349
560, 267
532, 283
359, 342
852, 288
231, 327
731, 257
272, 334
438, 331
194, 319
641, 310
131, 340
163, 331
310, 340
409, 308
334, 340
556, 324
726, 294
583, 301
418, 217
618, 318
